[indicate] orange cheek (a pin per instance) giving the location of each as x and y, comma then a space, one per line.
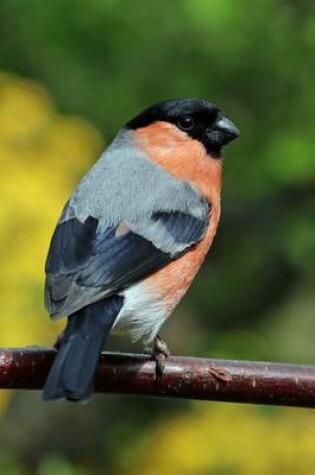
183, 157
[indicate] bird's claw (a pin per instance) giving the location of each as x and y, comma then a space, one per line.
160, 352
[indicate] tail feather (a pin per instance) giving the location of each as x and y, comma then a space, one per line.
73, 369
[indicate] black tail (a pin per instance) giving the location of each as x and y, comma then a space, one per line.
72, 372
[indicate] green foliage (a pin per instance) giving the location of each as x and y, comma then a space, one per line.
53, 465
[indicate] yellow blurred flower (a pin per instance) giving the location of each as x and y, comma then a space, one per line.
42, 156
226, 439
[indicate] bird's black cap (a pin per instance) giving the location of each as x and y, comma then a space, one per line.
200, 119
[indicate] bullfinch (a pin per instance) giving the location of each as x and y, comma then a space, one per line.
133, 235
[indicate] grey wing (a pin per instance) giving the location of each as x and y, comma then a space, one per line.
86, 263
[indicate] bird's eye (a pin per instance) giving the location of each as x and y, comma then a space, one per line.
186, 123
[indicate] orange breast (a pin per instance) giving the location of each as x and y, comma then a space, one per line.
186, 159
171, 282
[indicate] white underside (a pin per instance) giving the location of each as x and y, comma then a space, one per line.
141, 316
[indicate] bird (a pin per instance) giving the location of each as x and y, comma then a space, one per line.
133, 235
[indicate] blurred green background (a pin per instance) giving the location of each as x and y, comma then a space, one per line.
72, 72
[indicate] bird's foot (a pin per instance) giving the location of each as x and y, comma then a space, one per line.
160, 352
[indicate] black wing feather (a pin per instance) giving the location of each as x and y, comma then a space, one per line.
184, 227
84, 256
119, 261
71, 245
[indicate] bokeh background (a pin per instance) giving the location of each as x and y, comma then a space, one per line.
72, 72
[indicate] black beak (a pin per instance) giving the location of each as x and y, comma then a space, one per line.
224, 131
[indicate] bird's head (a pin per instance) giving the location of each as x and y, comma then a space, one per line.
180, 120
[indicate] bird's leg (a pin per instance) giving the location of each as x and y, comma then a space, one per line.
160, 353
